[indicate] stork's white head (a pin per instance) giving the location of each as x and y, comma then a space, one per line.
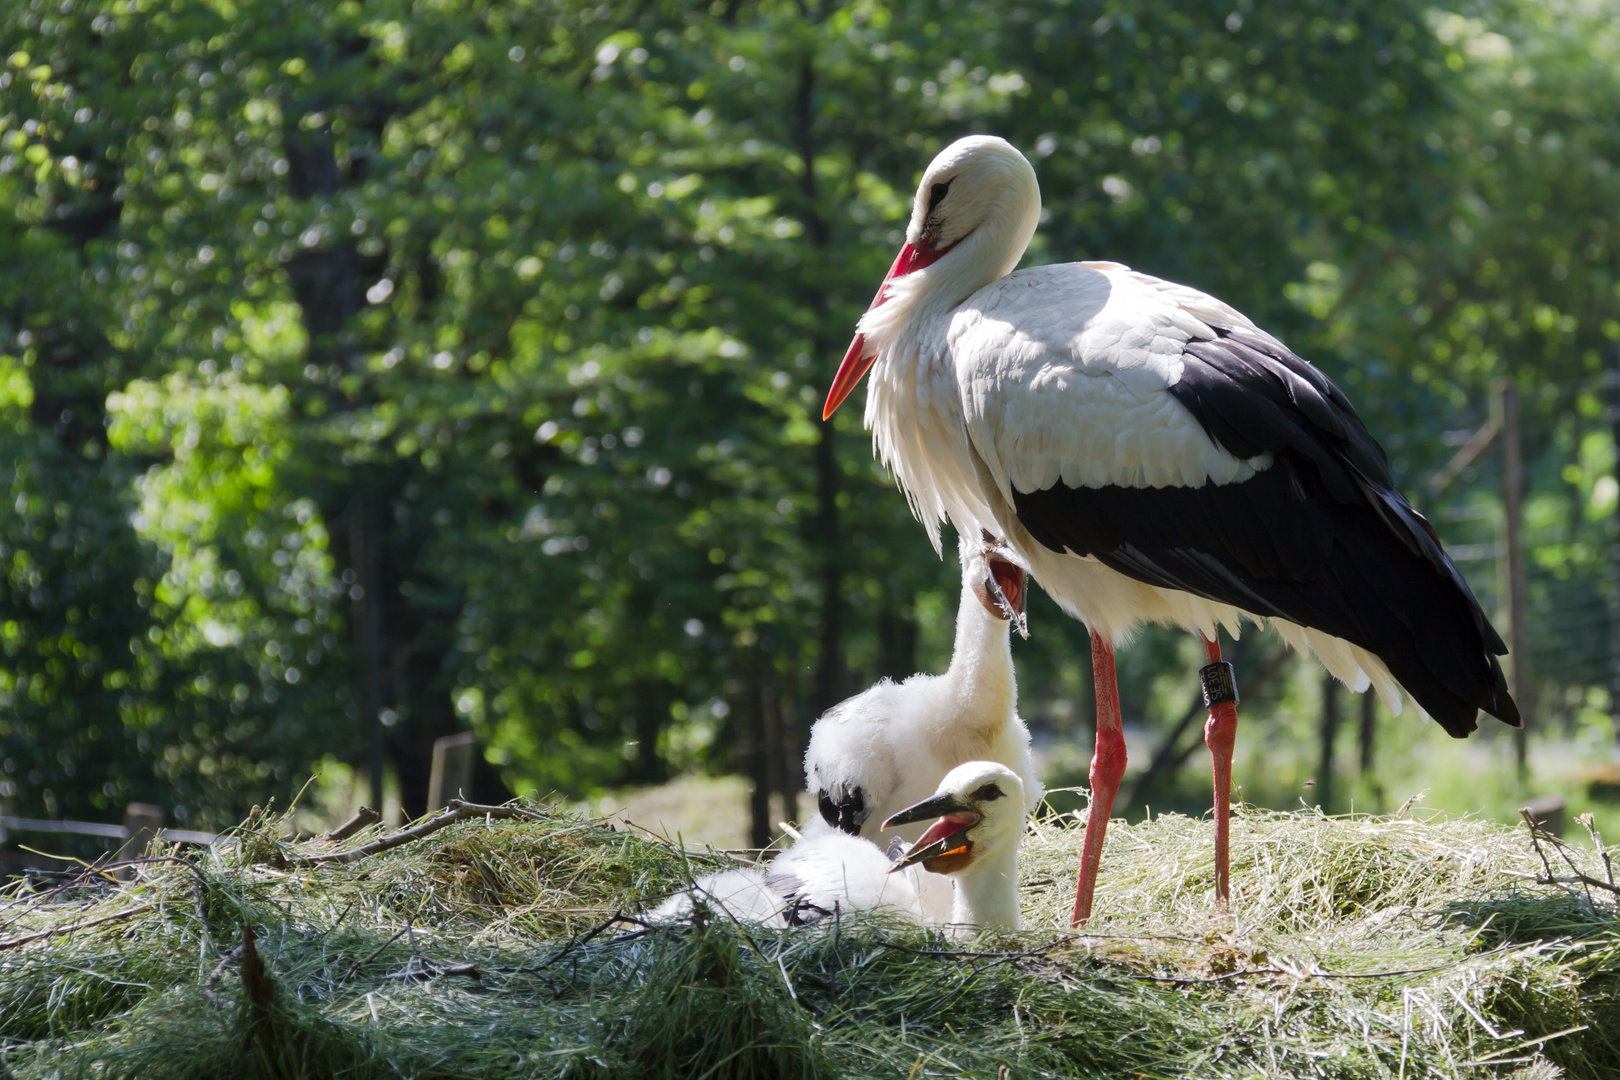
974, 212
979, 809
992, 570
980, 182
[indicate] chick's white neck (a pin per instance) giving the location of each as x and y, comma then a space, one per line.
987, 891
980, 681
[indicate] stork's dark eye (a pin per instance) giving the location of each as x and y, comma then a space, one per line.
988, 792
936, 194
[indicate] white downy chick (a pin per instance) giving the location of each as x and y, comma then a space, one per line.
977, 824
888, 747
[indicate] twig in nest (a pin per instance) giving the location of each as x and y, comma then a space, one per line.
363, 817
1589, 823
430, 970
213, 977
70, 928
259, 990
455, 810
967, 954
76, 880
344, 914
579, 941
356, 965
1584, 880
1307, 974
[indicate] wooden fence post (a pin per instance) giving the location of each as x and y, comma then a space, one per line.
452, 769
141, 824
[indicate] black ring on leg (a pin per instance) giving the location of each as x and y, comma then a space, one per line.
1218, 683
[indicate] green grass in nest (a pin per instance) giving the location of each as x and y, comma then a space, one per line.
1355, 947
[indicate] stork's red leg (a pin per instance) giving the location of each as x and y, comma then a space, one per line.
1220, 733
1107, 767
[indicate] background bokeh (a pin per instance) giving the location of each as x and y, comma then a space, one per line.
372, 372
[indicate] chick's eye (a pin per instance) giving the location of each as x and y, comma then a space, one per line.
936, 193
988, 792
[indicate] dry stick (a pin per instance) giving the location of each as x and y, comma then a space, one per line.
1589, 823
35, 901
97, 867
1552, 878
362, 817
1563, 850
260, 996
213, 977
426, 968
430, 970
344, 914
1330, 974
356, 965
455, 810
965, 954
573, 942
25, 939
745, 856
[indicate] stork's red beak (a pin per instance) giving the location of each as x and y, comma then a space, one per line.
856, 362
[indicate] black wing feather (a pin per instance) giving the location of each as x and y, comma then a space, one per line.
1321, 538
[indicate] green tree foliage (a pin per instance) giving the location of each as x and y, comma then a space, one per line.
369, 372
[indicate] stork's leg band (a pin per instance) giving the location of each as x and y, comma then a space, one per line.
1218, 683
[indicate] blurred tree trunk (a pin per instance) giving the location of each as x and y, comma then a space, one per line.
755, 750
1332, 702
652, 700
1518, 593
828, 687
1612, 530
1172, 753
897, 642
1369, 731
770, 718
365, 589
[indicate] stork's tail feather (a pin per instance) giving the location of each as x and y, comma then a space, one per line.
1502, 705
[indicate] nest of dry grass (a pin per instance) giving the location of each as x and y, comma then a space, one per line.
1355, 947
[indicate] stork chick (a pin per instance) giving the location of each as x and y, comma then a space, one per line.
888, 747
974, 842
978, 822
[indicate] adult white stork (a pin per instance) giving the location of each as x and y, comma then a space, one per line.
1151, 455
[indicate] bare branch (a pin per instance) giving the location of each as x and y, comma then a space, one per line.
430, 970
362, 818
71, 927
454, 811
1551, 877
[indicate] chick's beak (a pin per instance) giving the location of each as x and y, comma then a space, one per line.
944, 837
1003, 592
